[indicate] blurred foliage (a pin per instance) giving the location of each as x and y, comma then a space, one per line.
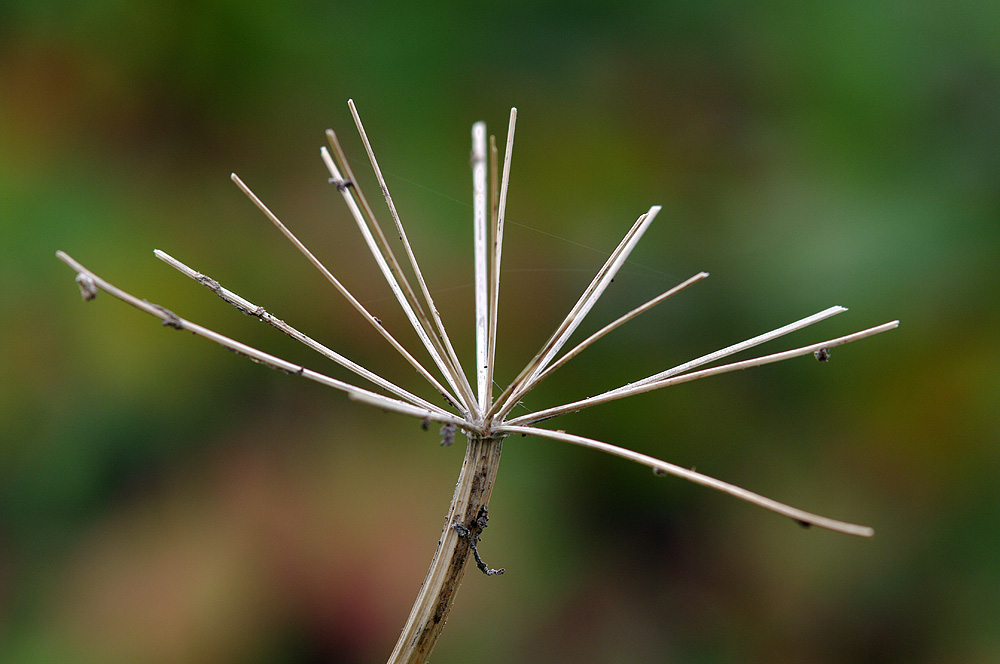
163, 501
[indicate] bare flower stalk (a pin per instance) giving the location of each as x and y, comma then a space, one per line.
343, 291
481, 269
90, 283
455, 367
483, 419
251, 309
430, 610
496, 235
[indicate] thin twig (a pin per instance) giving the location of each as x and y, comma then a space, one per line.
343, 291
739, 347
505, 401
438, 334
430, 610
479, 215
498, 248
437, 415
348, 181
663, 467
460, 376
583, 306
494, 172
618, 323
417, 320
641, 387
251, 309
170, 319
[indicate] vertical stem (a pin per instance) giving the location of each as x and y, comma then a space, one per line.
430, 610
481, 261
497, 246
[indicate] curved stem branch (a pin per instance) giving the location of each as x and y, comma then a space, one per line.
430, 610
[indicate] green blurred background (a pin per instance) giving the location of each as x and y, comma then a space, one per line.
162, 500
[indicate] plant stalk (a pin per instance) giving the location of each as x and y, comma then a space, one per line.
430, 610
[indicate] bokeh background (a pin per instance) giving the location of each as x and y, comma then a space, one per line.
164, 501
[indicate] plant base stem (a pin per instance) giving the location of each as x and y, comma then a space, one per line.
430, 610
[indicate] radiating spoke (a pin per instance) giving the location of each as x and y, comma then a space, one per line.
740, 347
526, 380
618, 323
641, 387
498, 252
170, 319
442, 336
481, 264
663, 467
417, 320
343, 291
251, 309
408, 409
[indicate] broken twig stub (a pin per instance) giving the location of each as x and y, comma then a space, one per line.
472, 534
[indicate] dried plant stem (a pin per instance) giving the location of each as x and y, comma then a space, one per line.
374, 322
500, 207
482, 418
481, 261
90, 284
430, 610
614, 325
661, 467
437, 330
414, 312
643, 386
251, 309
527, 378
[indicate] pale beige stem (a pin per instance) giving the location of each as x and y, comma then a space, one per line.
249, 308
374, 322
497, 244
642, 386
525, 380
661, 467
442, 335
430, 610
481, 262
90, 284
614, 325
416, 316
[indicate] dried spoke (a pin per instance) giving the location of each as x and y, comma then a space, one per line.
251, 309
641, 387
501, 209
663, 467
170, 319
418, 321
481, 261
739, 347
526, 380
618, 323
439, 335
442, 335
343, 291
436, 415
